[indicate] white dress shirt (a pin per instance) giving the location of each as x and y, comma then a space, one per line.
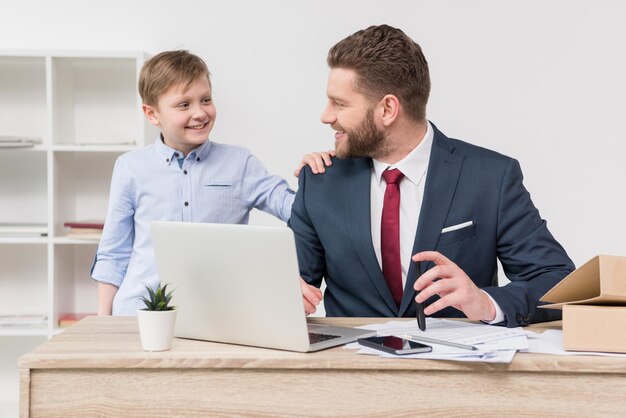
414, 167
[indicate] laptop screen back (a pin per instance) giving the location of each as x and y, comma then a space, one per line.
233, 283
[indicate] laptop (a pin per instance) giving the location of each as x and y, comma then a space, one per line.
239, 284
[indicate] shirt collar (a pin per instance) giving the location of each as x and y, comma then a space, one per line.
168, 155
414, 165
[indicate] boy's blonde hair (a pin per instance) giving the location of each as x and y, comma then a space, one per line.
168, 69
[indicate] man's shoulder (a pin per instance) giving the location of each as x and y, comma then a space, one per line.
342, 167
475, 151
481, 158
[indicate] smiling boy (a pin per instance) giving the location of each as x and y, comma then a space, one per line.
183, 176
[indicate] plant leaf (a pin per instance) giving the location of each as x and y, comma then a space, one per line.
159, 299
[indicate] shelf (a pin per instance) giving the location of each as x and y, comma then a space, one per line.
80, 103
23, 96
74, 241
14, 331
75, 290
23, 279
23, 187
23, 233
94, 148
23, 240
35, 148
82, 109
82, 183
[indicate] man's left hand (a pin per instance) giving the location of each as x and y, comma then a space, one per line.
454, 288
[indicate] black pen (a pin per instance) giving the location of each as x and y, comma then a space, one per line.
419, 308
421, 318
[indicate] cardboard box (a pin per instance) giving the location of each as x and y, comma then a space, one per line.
594, 328
593, 299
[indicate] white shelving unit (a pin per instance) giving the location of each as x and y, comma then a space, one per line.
83, 111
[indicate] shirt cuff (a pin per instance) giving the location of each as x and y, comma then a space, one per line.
105, 271
499, 313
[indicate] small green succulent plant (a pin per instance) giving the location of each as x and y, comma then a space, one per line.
159, 299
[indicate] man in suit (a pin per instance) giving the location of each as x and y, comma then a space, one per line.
404, 202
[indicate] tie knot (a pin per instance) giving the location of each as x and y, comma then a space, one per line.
393, 176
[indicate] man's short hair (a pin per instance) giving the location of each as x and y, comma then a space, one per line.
167, 69
386, 61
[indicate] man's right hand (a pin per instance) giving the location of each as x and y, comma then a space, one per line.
311, 296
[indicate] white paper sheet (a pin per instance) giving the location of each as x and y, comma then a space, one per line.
495, 344
551, 342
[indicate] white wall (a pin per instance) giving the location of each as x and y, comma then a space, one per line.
542, 81
539, 80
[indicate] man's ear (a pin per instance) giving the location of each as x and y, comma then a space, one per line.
151, 114
390, 109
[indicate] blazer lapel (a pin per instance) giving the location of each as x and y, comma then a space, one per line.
444, 169
357, 188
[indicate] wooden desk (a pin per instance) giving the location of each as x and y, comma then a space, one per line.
98, 368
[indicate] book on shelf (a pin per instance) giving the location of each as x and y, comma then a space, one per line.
70, 318
89, 230
91, 224
16, 229
23, 320
10, 141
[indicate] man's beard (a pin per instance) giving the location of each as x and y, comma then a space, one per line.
366, 140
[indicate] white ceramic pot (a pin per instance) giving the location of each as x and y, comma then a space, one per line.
156, 329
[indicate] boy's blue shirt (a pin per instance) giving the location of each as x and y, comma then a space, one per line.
217, 183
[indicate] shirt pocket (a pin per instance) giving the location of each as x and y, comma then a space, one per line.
457, 235
221, 190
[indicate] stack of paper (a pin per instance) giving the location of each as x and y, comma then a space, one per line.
35, 320
23, 230
493, 343
551, 342
7, 141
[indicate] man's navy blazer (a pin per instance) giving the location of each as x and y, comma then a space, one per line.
331, 222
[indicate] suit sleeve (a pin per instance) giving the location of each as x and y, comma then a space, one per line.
531, 258
311, 255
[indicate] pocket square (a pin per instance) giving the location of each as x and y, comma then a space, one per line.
457, 226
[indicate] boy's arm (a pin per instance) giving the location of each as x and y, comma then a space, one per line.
271, 193
264, 191
106, 293
116, 244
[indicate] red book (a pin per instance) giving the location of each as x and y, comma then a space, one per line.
68, 319
85, 224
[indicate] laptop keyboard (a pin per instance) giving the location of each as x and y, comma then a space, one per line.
315, 337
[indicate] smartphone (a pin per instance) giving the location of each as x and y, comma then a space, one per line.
395, 345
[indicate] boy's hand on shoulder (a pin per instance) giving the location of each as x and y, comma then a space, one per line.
318, 161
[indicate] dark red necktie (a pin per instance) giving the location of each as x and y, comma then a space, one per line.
390, 234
